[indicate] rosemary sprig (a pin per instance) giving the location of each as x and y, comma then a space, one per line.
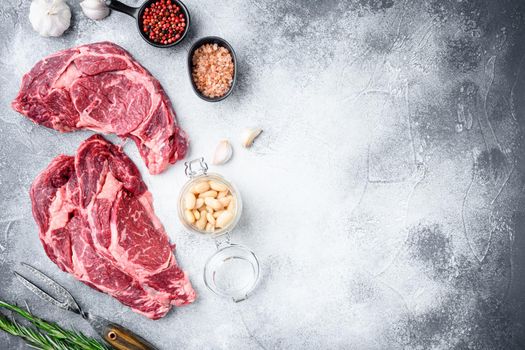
51, 331
32, 336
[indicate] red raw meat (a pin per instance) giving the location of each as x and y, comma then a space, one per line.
101, 87
96, 222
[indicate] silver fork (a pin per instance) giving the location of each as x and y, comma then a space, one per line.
116, 336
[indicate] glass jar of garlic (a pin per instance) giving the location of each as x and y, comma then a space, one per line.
209, 204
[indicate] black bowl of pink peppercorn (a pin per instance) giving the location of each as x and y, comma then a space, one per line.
161, 23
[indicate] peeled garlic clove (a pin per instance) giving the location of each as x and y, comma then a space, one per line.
223, 152
94, 9
248, 136
201, 223
231, 206
210, 193
189, 200
225, 201
210, 218
196, 213
189, 216
199, 203
213, 203
201, 187
224, 219
218, 186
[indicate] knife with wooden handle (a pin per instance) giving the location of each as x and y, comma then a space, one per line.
119, 337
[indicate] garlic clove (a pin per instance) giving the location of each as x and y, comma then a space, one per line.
223, 152
248, 136
95, 9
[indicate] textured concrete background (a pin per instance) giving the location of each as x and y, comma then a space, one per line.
384, 197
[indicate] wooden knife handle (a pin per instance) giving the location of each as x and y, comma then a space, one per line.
121, 338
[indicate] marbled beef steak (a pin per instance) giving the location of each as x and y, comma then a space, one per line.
96, 222
102, 88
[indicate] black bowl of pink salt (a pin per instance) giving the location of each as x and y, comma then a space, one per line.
212, 67
161, 23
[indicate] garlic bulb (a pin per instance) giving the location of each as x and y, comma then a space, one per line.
49, 17
95, 9
223, 152
248, 136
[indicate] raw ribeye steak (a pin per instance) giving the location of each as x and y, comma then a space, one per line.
96, 222
101, 87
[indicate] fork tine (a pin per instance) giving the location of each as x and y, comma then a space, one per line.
49, 282
27, 306
38, 291
68, 301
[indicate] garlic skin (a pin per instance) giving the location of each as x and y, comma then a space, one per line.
223, 152
248, 136
49, 17
95, 9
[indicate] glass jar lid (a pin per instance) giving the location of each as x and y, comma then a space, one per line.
233, 271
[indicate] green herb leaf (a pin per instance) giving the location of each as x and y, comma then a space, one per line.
47, 335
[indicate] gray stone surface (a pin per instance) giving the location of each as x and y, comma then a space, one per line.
384, 197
